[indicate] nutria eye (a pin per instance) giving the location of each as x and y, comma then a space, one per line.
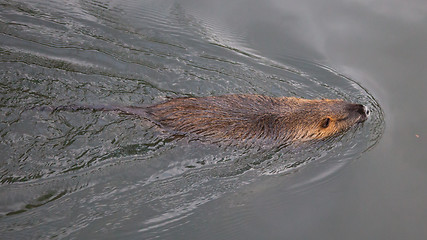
325, 123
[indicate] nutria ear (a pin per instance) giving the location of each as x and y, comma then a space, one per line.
325, 123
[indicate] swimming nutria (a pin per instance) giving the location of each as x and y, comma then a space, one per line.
251, 117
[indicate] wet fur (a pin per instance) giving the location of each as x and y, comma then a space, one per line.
246, 118
256, 117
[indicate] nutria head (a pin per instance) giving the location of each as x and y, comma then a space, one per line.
319, 119
246, 118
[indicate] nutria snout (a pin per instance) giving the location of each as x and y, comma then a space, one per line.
257, 118
360, 111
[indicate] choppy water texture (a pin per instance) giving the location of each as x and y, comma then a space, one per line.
100, 174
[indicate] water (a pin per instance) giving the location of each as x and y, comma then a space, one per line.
105, 175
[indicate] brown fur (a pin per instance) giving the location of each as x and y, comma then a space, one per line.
256, 117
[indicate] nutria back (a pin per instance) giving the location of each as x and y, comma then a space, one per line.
251, 118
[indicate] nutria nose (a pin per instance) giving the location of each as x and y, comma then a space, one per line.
367, 112
360, 109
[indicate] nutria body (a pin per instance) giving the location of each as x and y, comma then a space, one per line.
249, 118
257, 118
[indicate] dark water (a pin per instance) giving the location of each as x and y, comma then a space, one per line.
85, 175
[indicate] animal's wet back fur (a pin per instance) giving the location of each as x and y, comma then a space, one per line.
245, 118
256, 117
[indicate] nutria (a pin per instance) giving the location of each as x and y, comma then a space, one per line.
256, 117
246, 118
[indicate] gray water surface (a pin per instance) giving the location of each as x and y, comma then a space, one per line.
89, 174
